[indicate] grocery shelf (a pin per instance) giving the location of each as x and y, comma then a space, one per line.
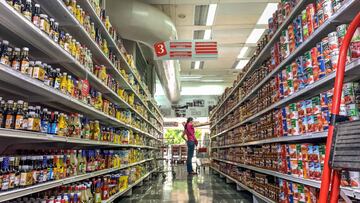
112, 198
265, 52
24, 85
262, 197
352, 72
59, 11
9, 135
86, 5
13, 194
349, 8
313, 183
303, 138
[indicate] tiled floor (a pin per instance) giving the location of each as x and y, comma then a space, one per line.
204, 188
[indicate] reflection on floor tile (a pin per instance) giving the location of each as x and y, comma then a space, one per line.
203, 188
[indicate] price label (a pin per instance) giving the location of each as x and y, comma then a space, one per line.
160, 49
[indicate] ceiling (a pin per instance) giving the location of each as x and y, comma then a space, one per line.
233, 22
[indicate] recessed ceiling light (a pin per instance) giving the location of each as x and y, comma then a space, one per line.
211, 14
267, 13
243, 52
190, 77
255, 35
241, 64
207, 34
197, 65
182, 16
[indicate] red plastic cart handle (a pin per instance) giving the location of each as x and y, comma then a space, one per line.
325, 181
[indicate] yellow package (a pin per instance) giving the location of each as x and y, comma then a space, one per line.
123, 182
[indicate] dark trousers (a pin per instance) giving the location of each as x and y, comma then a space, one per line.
190, 154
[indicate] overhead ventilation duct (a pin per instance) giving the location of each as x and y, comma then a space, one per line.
144, 23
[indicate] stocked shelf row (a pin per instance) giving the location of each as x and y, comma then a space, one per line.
119, 194
351, 73
354, 193
343, 15
86, 5
263, 54
47, 48
262, 197
13, 194
44, 94
303, 138
26, 136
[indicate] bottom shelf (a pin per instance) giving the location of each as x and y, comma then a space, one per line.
112, 198
256, 194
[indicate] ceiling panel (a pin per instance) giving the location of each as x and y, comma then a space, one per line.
238, 13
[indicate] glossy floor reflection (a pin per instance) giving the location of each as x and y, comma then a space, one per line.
203, 188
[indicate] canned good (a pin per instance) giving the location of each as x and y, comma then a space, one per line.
354, 179
319, 17
341, 31
305, 28
325, 47
310, 15
333, 41
328, 10
336, 4
303, 125
298, 30
316, 106
334, 59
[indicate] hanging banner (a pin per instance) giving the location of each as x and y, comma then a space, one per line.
186, 50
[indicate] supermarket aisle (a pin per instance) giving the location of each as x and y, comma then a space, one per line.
203, 188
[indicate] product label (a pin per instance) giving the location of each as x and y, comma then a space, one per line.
19, 122
9, 121
23, 179
5, 182
24, 67
12, 180
15, 65
17, 181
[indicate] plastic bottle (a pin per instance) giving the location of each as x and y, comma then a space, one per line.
63, 83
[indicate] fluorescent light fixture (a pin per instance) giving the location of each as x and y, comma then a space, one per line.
212, 80
255, 35
211, 14
207, 34
190, 77
197, 65
241, 64
267, 13
243, 52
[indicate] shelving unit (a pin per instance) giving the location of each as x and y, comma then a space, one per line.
21, 32
256, 194
13, 194
119, 194
344, 15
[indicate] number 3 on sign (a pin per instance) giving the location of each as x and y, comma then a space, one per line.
160, 49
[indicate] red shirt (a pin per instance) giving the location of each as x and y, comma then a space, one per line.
190, 132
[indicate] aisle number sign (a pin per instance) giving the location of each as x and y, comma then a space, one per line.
186, 50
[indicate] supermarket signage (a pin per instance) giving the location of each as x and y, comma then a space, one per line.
186, 50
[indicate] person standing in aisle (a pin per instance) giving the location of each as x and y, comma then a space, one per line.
191, 142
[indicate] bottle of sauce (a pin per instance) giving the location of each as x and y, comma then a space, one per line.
3, 49
19, 117
36, 15
24, 61
26, 11
23, 171
31, 68
2, 114
37, 120
5, 174
50, 167
34, 170
17, 172
17, 5
63, 83
26, 116
56, 33
15, 59
57, 79
54, 125
9, 115
12, 172
70, 86
44, 121
6, 56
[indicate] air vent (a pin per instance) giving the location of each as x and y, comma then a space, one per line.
199, 34
201, 12
195, 65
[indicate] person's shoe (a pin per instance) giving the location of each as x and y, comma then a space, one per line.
193, 173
